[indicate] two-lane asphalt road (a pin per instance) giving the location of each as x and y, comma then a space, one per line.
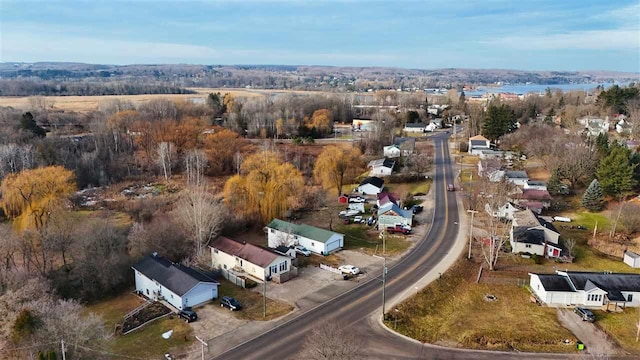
356, 305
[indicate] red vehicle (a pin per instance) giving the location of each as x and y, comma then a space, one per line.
403, 229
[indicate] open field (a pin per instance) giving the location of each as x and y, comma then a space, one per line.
146, 341
89, 103
622, 327
453, 311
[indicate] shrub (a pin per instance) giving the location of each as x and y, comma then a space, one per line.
248, 283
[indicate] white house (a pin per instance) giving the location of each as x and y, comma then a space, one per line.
492, 169
478, 143
533, 235
595, 126
381, 167
391, 214
588, 289
518, 178
535, 185
414, 128
157, 278
255, 261
407, 145
317, 240
371, 185
506, 211
391, 151
632, 259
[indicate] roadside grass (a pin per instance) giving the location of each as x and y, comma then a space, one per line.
466, 176
144, 342
366, 239
252, 302
316, 260
622, 327
400, 189
469, 159
452, 311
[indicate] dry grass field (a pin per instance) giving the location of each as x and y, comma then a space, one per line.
89, 103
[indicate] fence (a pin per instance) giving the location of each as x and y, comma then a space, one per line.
503, 281
237, 280
135, 311
329, 268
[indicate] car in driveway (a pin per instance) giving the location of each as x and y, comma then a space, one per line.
357, 199
230, 303
349, 269
302, 250
188, 315
585, 314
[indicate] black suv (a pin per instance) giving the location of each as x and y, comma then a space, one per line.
188, 315
585, 314
231, 303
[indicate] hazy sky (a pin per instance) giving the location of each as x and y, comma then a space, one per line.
513, 34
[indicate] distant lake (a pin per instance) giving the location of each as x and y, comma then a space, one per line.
536, 88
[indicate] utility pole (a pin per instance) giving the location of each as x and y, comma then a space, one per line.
264, 297
64, 356
473, 212
384, 280
204, 343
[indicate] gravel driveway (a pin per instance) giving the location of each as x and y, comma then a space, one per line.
595, 340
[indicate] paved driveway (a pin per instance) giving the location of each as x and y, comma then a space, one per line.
595, 340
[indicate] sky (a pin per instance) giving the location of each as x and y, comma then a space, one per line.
497, 34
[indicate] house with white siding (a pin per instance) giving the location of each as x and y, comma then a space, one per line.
586, 289
532, 234
381, 167
371, 186
316, 240
257, 262
157, 278
477, 144
391, 214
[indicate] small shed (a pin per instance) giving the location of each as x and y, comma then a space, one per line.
632, 259
343, 199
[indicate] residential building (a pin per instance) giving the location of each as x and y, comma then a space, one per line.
391, 214
478, 143
384, 198
532, 234
255, 261
506, 211
414, 128
316, 240
587, 289
535, 185
381, 167
157, 278
532, 197
595, 126
518, 178
407, 145
371, 185
492, 169
391, 151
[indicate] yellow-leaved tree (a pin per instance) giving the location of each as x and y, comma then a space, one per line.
30, 196
322, 121
265, 188
337, 165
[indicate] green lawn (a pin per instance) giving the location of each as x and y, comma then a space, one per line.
357, 236
144, 342
621, 327
252, 302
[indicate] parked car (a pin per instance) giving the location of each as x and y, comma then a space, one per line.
357, 199
359, 220
302, 250
188, 315
230, 303
585, 314
349, 269
398, 228
415, 208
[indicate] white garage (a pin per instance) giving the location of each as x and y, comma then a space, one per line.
157, 278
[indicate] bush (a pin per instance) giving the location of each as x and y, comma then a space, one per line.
248, 283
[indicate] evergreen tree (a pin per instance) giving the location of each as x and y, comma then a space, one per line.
29, 123
593, 200
615, 172
602, 143
554, 186
499, 120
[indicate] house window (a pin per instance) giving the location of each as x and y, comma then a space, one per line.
528, 246
147, 291
272, 231
215, 251
225, 266
312, 244
629, 297
589, 297
171, 295
274, 269
283, 266
295, 237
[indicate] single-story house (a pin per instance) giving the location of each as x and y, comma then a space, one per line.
391, 151
507, 156
632, 259
381, 167
478, 143
256, 261
532, 234
316, 240
531, 195
588, 289
371, 185
384, 198
518, 178
157, 278
414, 127
506, 211
391, 214
535, 185
407, 145
492, 169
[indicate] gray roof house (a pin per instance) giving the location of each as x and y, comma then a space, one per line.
157, 278
315, 239
590, 289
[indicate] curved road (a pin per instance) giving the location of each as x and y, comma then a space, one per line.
357, 305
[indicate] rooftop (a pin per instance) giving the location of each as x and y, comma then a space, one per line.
554, 282
175, 277
252, 253
373, 180
388, 163
307, 231
478, 137
408, 214
607, 282
512, 174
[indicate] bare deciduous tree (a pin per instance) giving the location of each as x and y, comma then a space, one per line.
332, 341
570, 245
492, 196
165, 158
630, 217
201, 215
195, 163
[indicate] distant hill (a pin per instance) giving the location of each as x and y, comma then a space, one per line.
303, 77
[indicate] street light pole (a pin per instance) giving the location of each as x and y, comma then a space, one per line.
473, 212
